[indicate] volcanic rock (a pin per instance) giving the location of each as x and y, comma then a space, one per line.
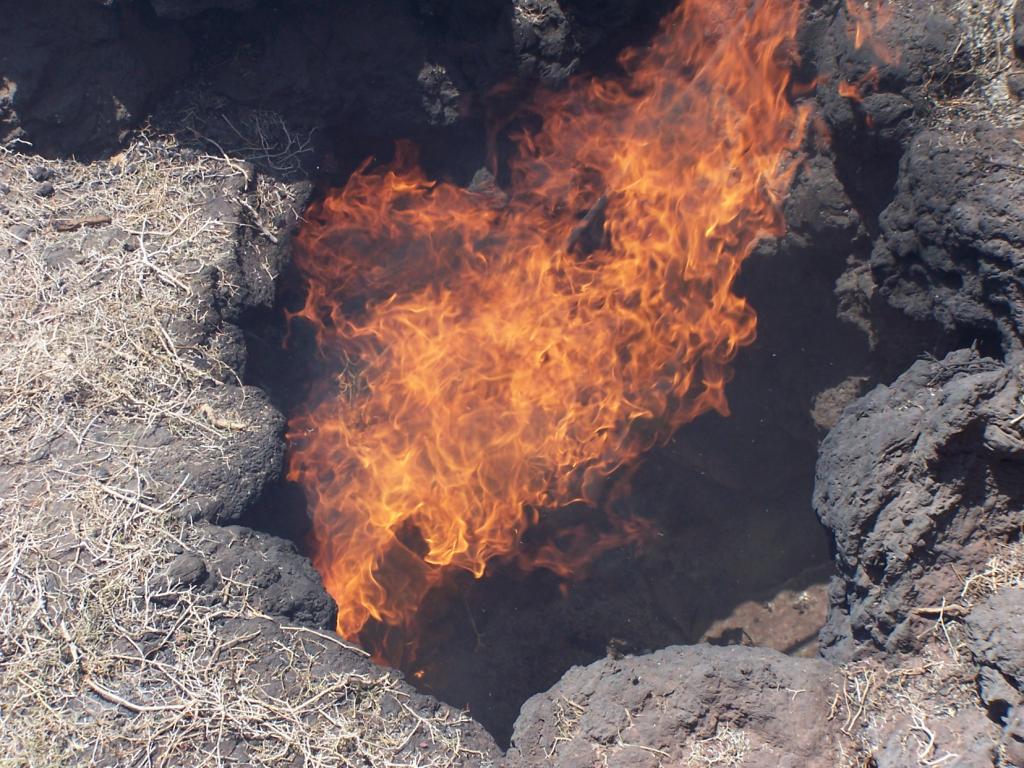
187, 570
41, 173
995, 635
284, 584
75, 76
543, 41
1018, 29
665, 708
873, 98
906, 52
919, 481
952, 245
1012, 744
1015, 84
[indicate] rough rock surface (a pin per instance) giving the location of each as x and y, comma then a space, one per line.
703, 706
749, 706
1018, 29
76, 76
995, 636
995, 632
876, 87
282, 582
952, 245
918, 481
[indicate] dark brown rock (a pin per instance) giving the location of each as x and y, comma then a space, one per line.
1015, 84
76, 76
283, 582
995, 634
914, 495
186, 570
1013, 738
647, 711
952, 244
1018, 29
896, 71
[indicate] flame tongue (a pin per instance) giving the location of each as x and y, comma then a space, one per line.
511, 354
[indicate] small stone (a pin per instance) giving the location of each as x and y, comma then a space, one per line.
4, 188
1015, 84
185, 332
423, 745
40, 173
59, 256
21, 232
186, 570
45, 189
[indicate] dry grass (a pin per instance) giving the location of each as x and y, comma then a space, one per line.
986, 38
567, 719
918, 697
86, 321
727, 748
1004, 569
101, 662
874, 703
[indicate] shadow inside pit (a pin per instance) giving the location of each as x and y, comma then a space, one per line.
729, 497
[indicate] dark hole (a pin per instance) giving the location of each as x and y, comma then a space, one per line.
998, 710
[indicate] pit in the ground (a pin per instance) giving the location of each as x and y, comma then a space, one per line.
738, 555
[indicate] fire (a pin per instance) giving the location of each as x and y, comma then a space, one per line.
866, 18
507, 351
855, 91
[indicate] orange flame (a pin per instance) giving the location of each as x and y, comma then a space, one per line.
510, 350
855, 91
866, 18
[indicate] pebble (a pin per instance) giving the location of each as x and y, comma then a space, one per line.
21, 232
45, 189
186, 570
59, 256
40, 173
1015, 82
